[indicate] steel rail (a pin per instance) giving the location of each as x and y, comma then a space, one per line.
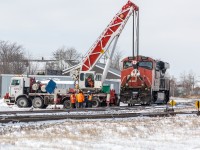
35, 118
115, 108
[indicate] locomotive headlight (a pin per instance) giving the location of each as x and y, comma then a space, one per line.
138, 73
132, 74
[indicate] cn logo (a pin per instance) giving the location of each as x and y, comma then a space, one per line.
134, 62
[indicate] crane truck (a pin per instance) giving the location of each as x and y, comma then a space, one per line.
25, 91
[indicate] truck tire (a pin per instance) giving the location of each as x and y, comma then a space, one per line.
95, 102
66, 104
38, 102
22, 102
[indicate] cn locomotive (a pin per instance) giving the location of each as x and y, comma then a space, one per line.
144, 81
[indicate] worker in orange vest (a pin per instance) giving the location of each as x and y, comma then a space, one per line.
73, 100
89, 99
80, 99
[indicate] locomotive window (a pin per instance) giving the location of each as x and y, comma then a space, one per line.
82, 75
127, 64
98, 77
146, 64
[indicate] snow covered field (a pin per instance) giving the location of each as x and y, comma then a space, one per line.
136, 133
142, 133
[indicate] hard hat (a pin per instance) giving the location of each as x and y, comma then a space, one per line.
88, 91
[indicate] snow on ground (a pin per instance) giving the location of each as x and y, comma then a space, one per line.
184, 100
141, 133
5, 107
133, 133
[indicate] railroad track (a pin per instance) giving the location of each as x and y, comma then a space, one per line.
34, 115
35, 118
115, 108
73, 110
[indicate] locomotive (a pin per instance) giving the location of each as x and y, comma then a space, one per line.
144, 81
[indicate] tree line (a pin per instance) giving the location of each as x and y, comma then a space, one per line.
186, 86
14, 60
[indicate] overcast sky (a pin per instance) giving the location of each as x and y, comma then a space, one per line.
169, 29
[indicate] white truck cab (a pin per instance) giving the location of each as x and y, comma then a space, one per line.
90, 80
17, 86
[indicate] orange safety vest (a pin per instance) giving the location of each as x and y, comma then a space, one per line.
72, 98
89, 97
80, 98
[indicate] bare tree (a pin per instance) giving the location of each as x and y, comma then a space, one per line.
67, 54
174, 87
116, 60
64, 56
191, 81
52, 65
187, 81
12, 58
32, 67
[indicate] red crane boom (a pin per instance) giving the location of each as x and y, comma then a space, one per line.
113, 29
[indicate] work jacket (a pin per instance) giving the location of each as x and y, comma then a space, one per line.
80, 97
72, 98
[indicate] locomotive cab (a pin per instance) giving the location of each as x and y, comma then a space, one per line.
143, 81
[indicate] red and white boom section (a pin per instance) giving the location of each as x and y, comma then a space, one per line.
113, 29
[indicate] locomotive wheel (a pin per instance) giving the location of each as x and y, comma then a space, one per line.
130, 105
38, 102
149, 103
95, 102
167, 98
22, 102
66, 104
